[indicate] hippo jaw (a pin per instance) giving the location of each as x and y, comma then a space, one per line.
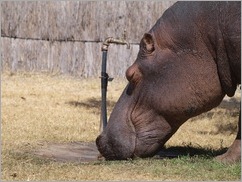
117, 141
143, 144
135, 132
151, 139
114, 149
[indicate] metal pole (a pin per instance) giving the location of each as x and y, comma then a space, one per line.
104, 84
105, 78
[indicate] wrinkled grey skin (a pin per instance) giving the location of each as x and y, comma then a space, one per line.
186, 64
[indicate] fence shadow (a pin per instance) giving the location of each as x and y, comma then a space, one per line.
227, 107
230, 104
92, 104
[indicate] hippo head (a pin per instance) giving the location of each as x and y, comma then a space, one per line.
166, 87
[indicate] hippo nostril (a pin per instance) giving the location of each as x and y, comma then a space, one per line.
130, 73
133, 74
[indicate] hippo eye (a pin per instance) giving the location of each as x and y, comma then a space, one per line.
130, 88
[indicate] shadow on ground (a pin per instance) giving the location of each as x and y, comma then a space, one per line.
93, 104
231, 105
87, 152
84, 152
178, 151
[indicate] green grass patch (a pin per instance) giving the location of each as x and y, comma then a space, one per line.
29, 167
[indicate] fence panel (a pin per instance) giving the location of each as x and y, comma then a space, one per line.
66, 36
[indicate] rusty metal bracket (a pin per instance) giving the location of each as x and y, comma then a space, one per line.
111, 40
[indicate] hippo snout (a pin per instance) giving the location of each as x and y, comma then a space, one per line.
104, 148
114, 149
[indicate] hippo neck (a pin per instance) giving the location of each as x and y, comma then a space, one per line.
180, 28
198, 31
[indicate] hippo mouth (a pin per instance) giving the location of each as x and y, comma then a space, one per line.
115, 150
112, 148
134, 130
140, 139
151, 139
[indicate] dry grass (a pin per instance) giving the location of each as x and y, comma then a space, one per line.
39, 108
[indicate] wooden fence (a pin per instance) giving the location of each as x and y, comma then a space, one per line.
66, 36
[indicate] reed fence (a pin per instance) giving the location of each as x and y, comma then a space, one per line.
66, 36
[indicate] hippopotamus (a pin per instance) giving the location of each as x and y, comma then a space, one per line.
186, 64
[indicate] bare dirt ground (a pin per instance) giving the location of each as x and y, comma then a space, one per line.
70, 152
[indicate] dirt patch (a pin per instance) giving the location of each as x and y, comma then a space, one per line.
84, 152
69, 152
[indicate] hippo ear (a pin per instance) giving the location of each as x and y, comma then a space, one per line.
148, 42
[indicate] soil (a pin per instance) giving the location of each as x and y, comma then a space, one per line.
69, 152
84, 152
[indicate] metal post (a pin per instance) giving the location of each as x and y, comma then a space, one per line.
104, 84
105, 78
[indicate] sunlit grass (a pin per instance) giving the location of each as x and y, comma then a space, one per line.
38, 109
